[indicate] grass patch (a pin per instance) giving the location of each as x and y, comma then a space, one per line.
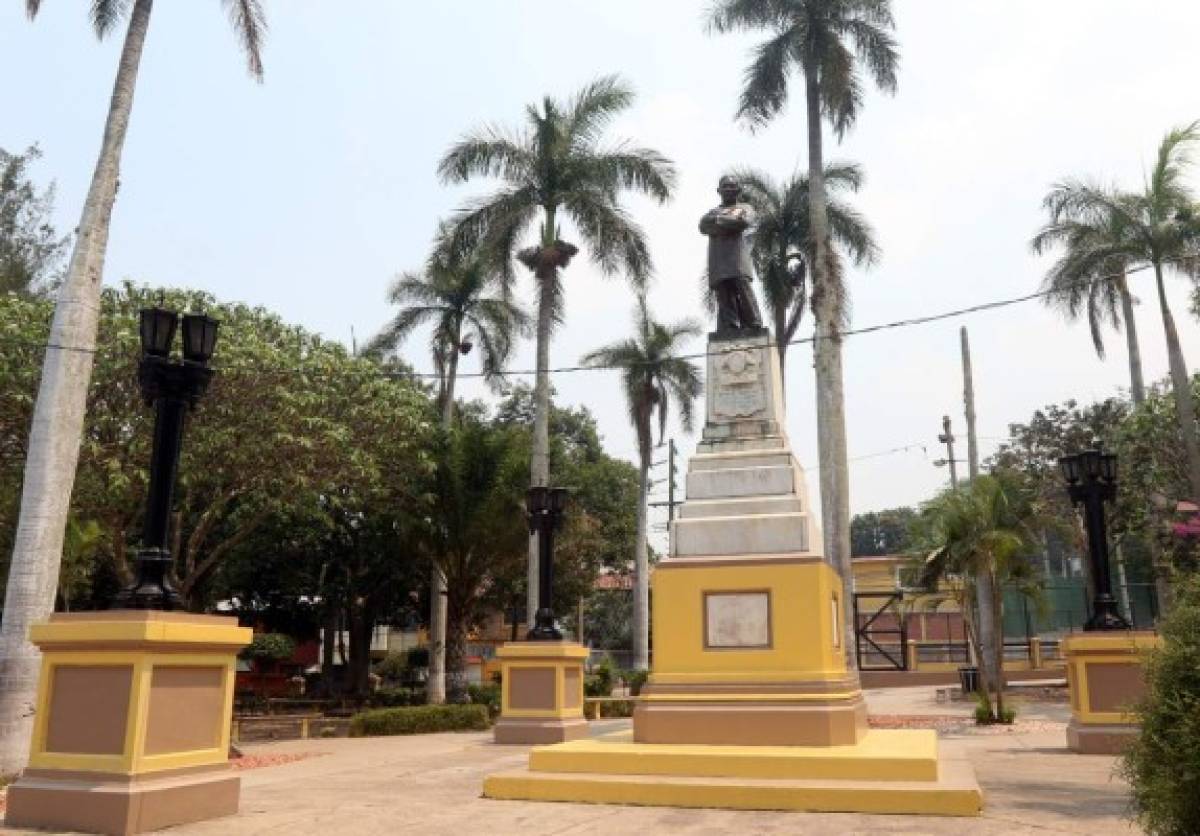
420, 719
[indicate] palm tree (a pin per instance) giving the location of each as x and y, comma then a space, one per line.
557, 167
827, 41
57, 426
1088, 277
782, 243
982, 528
452, 294
653, 373
1154, 227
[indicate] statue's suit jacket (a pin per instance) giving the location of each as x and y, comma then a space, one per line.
730, 238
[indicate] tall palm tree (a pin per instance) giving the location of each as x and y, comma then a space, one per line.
557, 167
57, 426
653, 373
829, 42
454, 295
1153, 227
1089, 278
783, 240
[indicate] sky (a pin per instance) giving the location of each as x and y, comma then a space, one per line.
308, 193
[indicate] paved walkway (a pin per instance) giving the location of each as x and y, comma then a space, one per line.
430, 784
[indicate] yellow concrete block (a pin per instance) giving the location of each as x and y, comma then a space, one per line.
882, 755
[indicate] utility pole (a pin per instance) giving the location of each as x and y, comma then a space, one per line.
947, 438
969, 403
671, 480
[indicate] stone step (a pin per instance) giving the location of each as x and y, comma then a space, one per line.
726, 461
753, 534
740, 481
955, 792
893, 755
699, 508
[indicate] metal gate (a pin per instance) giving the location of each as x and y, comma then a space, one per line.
880, 647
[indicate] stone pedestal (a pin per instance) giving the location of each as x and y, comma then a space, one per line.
749, 704
132, 728
1104, 673
541, 692
747, 645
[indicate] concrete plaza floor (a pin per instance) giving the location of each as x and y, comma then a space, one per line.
430, 784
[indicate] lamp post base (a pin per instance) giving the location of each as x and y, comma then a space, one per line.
1104, 673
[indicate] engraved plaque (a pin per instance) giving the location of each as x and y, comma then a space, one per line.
740, 390
737, 620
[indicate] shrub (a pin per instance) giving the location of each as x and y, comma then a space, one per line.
599, 683
983, 712
269, 647
421, 719
616, 708
393, 697
635, 680
393, 667
488, 695
1163, 762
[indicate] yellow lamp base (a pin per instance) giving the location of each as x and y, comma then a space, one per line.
1104, 673
541, 694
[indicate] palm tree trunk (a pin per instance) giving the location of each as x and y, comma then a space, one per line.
1137, 386
1182, 385
997, 608
641, 564
456, 655
57, 427
539, 464
781, 349
435, 686
831, 408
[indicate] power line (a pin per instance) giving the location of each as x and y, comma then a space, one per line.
851, 332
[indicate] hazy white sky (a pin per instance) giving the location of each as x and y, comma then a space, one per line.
306, 194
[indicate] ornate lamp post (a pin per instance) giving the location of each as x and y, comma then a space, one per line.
545, 506
173, 386
1091, 481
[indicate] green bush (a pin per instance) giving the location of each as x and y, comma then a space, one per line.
599, 683
394, 697
616, 708
269, 647
488, 695
1163, 762
983, 712
393, 667
635, 680
421, 719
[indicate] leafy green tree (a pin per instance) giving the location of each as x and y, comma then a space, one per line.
1154, 227
881, 532
831, 43
783, 240
58, 420
1162, 763
653, 374
557, 168
454, 295
31, 251
290, 424
1090, 276
986, 526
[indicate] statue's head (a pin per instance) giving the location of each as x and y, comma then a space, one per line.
729, 188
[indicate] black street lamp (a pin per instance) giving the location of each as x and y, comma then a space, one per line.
1091, 481
545, 506
172, 386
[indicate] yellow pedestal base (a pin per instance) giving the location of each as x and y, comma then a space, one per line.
886, 772
541, 694
132, 729
1104, 673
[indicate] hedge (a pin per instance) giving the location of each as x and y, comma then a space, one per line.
420, 719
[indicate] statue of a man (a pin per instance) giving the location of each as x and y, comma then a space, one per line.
729, 267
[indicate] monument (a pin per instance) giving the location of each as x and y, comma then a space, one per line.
750, 703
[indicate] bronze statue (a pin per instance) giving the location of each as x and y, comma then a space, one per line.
730, 270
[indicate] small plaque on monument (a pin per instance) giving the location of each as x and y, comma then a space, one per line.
739, 620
